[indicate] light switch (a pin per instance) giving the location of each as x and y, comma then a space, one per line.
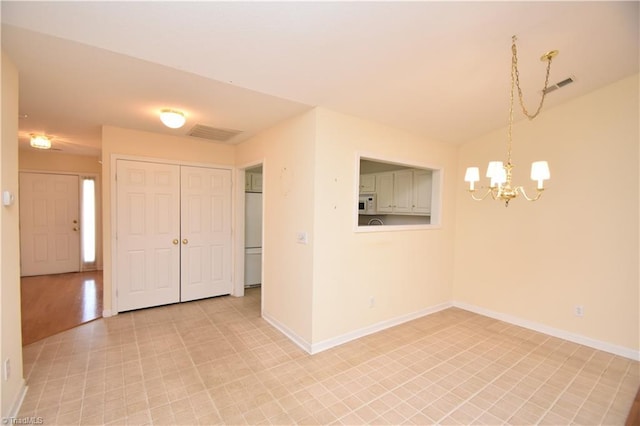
7, 198
301, 238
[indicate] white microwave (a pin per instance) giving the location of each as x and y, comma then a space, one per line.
367, 204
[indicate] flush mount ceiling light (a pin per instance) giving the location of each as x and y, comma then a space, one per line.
500, 187
40, 141
172, 118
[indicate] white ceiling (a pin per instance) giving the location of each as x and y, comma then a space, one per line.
436, 69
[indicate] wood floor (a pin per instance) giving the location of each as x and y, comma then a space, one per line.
634, 413
55, 303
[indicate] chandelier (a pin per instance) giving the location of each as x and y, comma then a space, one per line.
499, 174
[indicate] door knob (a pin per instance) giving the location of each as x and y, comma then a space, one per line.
75, 221
75, 228
176, 241
185, 241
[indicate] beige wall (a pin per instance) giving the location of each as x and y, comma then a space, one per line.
320, 291
287, 151
11, 339
578, 245
37, 160
405, 271
118, 141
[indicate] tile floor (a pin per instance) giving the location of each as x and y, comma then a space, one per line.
216, 361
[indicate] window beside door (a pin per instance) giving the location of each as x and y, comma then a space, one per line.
88, 222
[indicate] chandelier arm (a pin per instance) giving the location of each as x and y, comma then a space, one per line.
524, 194
489, 191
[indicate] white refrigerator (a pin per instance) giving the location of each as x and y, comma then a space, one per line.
252, 239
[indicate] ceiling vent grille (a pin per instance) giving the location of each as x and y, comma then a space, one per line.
213, 133
559, 85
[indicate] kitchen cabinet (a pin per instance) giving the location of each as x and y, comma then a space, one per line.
395, 191
367, 183
422, 182
405, 191
253, 182
384, 193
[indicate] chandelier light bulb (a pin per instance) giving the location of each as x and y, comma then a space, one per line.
495, 172
472, 176
172, 118
540, 172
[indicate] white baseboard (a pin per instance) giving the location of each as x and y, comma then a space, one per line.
555, 332
347, 337
15, 408
292, 335
374, 328
107, 313
314, 348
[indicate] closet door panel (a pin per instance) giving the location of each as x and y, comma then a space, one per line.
206, 233
147, 234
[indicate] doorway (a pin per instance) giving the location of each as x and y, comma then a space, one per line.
49, 224
59, 238
59, 219
253, 227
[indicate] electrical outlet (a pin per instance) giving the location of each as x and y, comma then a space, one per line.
579, 310
372, 302
6, 371
301, 238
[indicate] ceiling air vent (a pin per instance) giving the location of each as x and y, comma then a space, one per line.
559, 85
213, 133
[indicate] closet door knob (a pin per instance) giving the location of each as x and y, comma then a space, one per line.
185, 241
176, 241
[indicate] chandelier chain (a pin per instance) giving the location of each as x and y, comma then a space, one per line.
509, 138
516, 73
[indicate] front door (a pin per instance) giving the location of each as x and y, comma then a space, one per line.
206, 233
49, 228
148, 234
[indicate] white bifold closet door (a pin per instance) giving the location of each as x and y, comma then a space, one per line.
148, 234
206, 233
173, 233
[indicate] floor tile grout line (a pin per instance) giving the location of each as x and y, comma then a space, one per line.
629, 365
467, 400
538, 388
564, 390
523, 356
444, 362
480, 390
